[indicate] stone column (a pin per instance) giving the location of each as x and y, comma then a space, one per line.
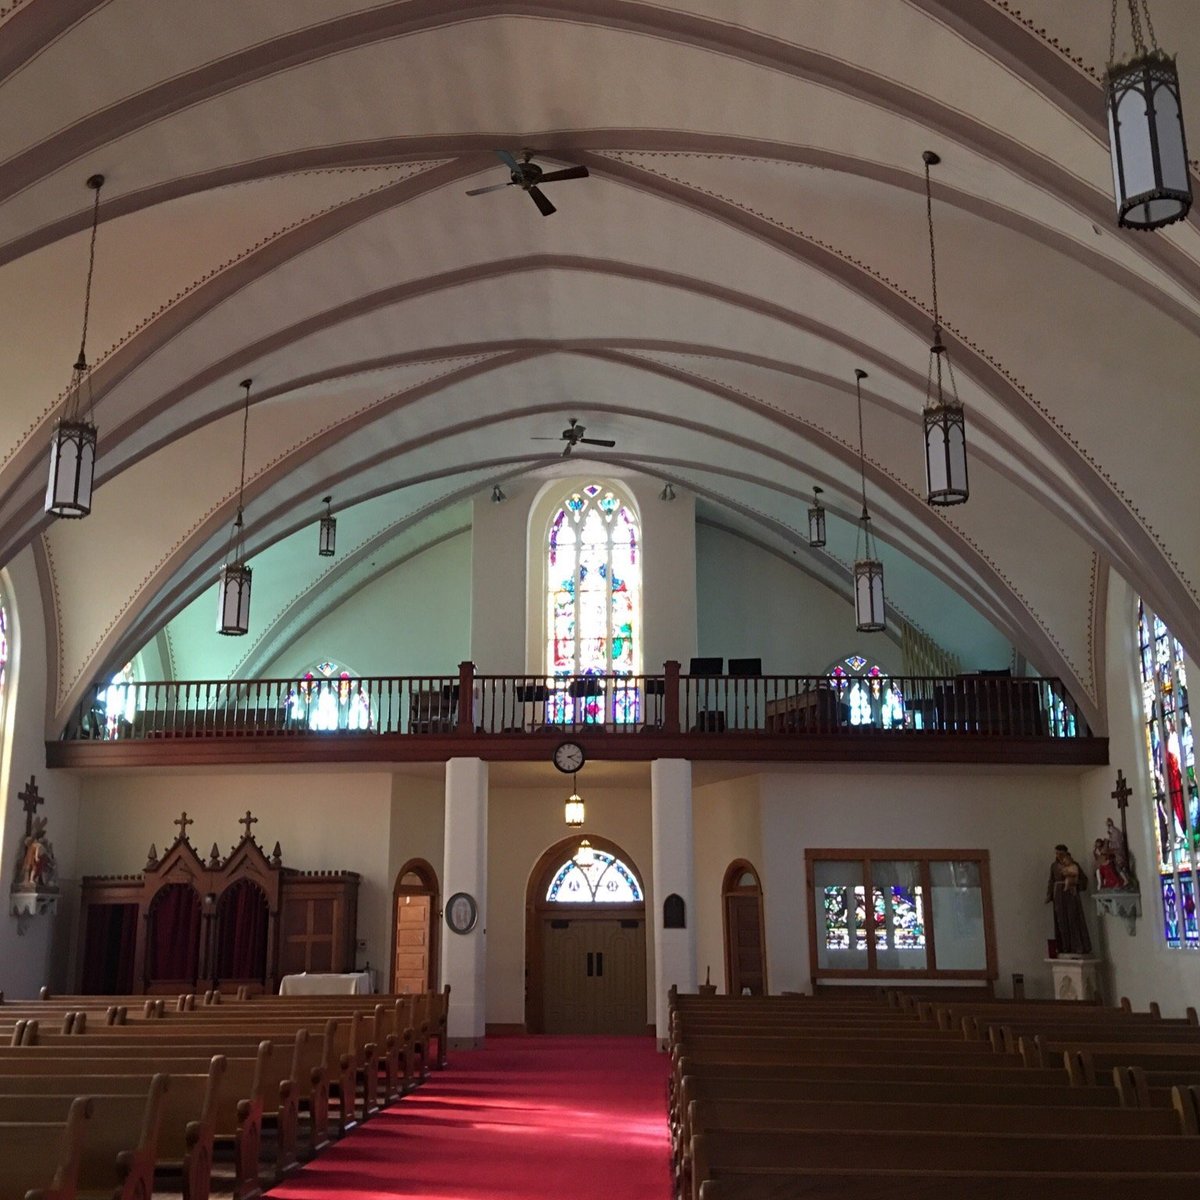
671, 830
464, 869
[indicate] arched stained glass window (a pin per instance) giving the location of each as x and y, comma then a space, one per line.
594, 607
604, 880
329, 697
120, 701
1171, 758
869, 696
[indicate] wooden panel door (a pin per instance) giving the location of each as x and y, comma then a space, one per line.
412, 944
565, 1005
745, 944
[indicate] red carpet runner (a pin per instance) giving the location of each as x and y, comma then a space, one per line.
526, 1118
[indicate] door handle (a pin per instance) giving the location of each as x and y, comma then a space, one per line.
589, 964
599, 962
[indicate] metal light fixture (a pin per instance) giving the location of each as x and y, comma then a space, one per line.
868, 570
498, 496
585, 856
73, 443
667, 494
1151, 181
233, 597
327, 535
945, 423
573, 811
816, 520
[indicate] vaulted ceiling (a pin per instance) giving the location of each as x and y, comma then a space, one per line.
285, 200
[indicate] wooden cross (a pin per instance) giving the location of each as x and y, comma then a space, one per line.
31, 801
183, 821
1121, 795
248, 820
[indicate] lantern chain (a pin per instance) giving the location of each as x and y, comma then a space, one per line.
96, 182
245, 431
859, 376
1135, 25
937, 320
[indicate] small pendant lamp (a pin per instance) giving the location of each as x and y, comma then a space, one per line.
73, 443
868, 570
327, 535
1151, 181
945, 423
585, 856
816, 520
574, 813
233, 597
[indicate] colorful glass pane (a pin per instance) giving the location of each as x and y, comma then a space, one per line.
328, 697
1171, 762
605, 880
837, 918
593, 607
120, 701
868, 698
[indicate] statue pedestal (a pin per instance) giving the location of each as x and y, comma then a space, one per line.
1075, 978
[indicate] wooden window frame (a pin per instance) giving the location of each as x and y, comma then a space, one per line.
923, 858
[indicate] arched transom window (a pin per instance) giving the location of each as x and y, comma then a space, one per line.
603, 880
594, 605
871, 698
1172, 761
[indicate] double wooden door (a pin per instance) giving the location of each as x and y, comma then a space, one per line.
594, 975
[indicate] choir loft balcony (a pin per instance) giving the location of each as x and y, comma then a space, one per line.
984, 718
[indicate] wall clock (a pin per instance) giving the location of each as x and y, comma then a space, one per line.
461, 912
568, 757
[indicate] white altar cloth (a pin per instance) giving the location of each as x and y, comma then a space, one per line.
352, 983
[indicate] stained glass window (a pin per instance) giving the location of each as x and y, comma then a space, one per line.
329, 697
869, 696
605, 880
120, 702
594, 607
1171, 758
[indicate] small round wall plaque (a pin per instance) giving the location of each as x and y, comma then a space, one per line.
461, 912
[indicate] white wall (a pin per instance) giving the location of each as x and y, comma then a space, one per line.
753, 604
415, 620
1017, 814
1140, 966
38, 956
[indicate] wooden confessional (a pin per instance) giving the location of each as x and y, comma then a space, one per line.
184, 924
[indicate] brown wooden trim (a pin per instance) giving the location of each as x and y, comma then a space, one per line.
923, 857
500, 1029
883, 746
429, 887
537, 909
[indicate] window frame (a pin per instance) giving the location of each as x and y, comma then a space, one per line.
923, 858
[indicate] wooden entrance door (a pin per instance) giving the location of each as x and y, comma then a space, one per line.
594, 975
745, 948
415, 928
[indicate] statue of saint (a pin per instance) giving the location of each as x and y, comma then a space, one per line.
37, 862
1067, 881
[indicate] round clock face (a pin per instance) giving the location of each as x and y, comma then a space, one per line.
568, 757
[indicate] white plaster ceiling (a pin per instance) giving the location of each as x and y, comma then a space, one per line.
285, 201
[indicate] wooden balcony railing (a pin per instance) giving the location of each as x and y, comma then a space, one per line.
469, 705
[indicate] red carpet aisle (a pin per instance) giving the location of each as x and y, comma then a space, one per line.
537, 1118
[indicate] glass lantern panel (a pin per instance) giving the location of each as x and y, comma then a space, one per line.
1172, 155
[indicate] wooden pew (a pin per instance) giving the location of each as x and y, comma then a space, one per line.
43, 1158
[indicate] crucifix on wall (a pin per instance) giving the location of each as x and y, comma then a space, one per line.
30, 800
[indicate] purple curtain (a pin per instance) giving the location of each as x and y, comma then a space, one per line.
173, 940
242, 918
109, 948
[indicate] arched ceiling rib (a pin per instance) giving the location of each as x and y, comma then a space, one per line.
752, 230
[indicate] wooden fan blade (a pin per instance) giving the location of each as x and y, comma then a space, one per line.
496, 187
544, 205
567, 450
565, 173
598, 441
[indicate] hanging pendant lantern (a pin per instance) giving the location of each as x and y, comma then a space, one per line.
944, 420
585, 856
327, 536
573, 810
233, 594
1151, 180
73, 443
869, 613
816, 520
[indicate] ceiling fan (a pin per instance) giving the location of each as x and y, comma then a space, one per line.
573, 436
528, 175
